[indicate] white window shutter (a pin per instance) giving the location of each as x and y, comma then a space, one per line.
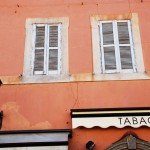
53, 49
117, 46
110, 58
108, 36
39, 50
124, 45
46, 49
108, 47
59, 48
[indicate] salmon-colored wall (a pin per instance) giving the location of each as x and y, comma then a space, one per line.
102, 137
51, 103
14, 14
47, 106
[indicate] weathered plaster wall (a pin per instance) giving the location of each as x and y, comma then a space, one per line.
47, 106
43, 106
102, 137
14, 15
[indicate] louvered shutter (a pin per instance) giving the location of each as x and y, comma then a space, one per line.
46, 49
117, 47
54, 49
39, 49
125, 45
108, 47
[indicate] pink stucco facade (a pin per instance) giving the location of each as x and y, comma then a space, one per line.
30, 106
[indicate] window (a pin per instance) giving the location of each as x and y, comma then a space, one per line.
46, 50
116, 46
117, 49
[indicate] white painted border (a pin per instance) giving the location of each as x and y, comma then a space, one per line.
97, 66
27, 71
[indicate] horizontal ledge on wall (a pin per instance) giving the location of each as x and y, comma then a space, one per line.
82, 77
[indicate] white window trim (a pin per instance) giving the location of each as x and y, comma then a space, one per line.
97, 63
63, 73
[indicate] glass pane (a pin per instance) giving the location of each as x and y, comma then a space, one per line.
39, 60
108, 37
53, 59
110, 58
123, 33
53, 36
40, 36
126, 58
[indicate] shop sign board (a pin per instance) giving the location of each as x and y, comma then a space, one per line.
104, 118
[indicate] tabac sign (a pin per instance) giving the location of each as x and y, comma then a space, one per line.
117, 117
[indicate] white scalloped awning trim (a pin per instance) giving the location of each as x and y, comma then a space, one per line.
105, 122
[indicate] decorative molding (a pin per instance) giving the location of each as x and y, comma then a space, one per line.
129, 141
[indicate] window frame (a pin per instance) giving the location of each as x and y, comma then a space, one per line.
63, 74
98, 74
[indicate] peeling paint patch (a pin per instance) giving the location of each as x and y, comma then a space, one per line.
113, 16
14, 120
82, 77
42, 125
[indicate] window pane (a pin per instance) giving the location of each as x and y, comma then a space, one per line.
53, 36
40, 36
126, 59
39, 60
53, 59
109, 57
108, 37
123, 33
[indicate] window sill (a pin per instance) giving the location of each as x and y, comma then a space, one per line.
35, 79
121, 76
86, 77
46, 78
